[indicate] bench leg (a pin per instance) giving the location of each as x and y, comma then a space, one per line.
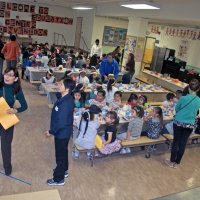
150, 149
92, 158
170, 146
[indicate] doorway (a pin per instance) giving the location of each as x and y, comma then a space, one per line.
78, 32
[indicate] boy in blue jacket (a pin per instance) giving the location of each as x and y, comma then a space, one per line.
61, 128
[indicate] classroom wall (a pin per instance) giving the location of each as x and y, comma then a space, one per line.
98, 29
193, 45
67, 30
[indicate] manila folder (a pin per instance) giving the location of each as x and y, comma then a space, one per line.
6, 120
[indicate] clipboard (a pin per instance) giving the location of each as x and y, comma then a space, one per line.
6, 120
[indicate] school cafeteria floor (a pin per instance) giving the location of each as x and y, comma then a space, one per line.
112, 178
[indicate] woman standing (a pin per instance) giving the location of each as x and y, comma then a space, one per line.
10, 89
130, 64
186, 111
116, 54
130, 69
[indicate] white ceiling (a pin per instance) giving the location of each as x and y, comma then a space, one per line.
172, 11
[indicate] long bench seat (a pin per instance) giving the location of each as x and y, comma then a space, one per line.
143, 141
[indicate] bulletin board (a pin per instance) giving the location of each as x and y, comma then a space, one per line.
113, 36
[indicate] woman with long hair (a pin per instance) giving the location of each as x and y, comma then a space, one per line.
10, 90
130, 64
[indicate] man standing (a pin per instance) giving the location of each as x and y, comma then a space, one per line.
11, 52
109, 66
96, 49
61, 128
1, 58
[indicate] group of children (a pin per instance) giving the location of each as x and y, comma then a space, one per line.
111, 99
93, 115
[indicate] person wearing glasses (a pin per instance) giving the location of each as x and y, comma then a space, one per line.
10, 90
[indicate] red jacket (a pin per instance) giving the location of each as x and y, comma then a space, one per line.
11, 50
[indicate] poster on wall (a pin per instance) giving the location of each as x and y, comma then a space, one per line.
139, 49
183, 49
130, 45
113, 36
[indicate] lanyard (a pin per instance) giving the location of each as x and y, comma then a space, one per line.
4, 94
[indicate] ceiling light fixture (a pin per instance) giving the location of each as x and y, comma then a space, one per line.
140, 5
82, 7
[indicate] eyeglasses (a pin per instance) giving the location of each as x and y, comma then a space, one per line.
9, 75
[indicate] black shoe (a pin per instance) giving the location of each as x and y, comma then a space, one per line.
8, 172
51, 182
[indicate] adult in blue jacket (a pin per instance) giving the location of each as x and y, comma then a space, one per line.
109, 66
61, 128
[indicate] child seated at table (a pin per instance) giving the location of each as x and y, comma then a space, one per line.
78, 100
110, 91
87, 127
155, 123
133, 100
110, 143
169, 102
142, 100
134, 127
117, 101
99, 100
93, 78
31, 62
49, 78
179, 94
45, 59
82, 78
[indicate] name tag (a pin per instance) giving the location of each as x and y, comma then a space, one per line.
56, 108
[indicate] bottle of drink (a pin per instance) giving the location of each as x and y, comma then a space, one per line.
104, 113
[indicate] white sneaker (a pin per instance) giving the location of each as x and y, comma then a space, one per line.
128, 150
88, 154
123, 151
96, 154
75, 154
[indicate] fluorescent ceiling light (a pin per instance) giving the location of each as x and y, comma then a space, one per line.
82, 7
140, 6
